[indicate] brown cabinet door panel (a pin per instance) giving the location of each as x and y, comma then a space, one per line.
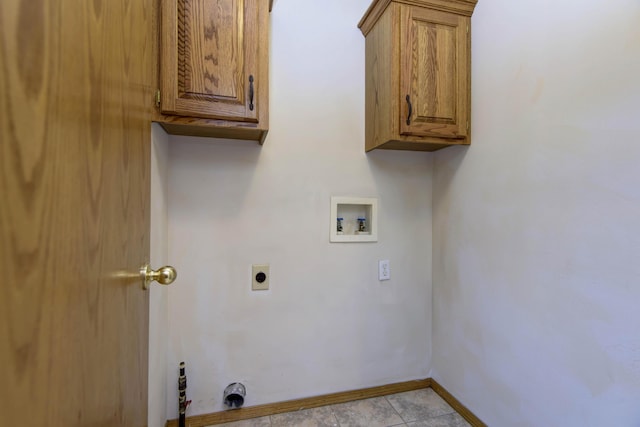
434, 73
208, 59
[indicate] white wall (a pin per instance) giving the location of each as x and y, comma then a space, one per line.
158, 301
327, 324
537, 225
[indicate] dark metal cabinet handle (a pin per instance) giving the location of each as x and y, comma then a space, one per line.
251, 92
410, 110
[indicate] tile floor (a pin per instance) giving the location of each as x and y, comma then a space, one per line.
419, 408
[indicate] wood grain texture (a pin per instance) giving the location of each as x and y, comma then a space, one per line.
435, 64
381, 122
75, 92
207, 55
210, 49
211, 129
377, 8
455, 404
195, 124
213, 60
424, 144
298, 404
424, 53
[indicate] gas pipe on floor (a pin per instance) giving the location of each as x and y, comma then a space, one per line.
182, 396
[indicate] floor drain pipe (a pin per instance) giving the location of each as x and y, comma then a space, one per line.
234, 395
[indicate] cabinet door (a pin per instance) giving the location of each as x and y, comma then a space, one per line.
434, 76
209, 59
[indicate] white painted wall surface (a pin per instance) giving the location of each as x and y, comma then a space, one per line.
327, 324
158, 308
537, 225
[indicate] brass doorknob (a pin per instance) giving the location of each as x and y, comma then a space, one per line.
164, 275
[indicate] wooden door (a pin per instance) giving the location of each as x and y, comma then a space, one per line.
209, 57
434, 73
75, 104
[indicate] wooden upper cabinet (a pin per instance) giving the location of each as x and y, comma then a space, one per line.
417, 74
214, 68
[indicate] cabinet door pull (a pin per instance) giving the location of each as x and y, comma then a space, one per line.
410, 110
251, 92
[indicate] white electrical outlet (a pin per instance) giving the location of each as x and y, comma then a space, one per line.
384, 270
260, 277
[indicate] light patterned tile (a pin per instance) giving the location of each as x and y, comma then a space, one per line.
376, 412
419, 405
253, 422
314, 417
448, 420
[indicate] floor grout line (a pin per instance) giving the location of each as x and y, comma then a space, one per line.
394, 408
